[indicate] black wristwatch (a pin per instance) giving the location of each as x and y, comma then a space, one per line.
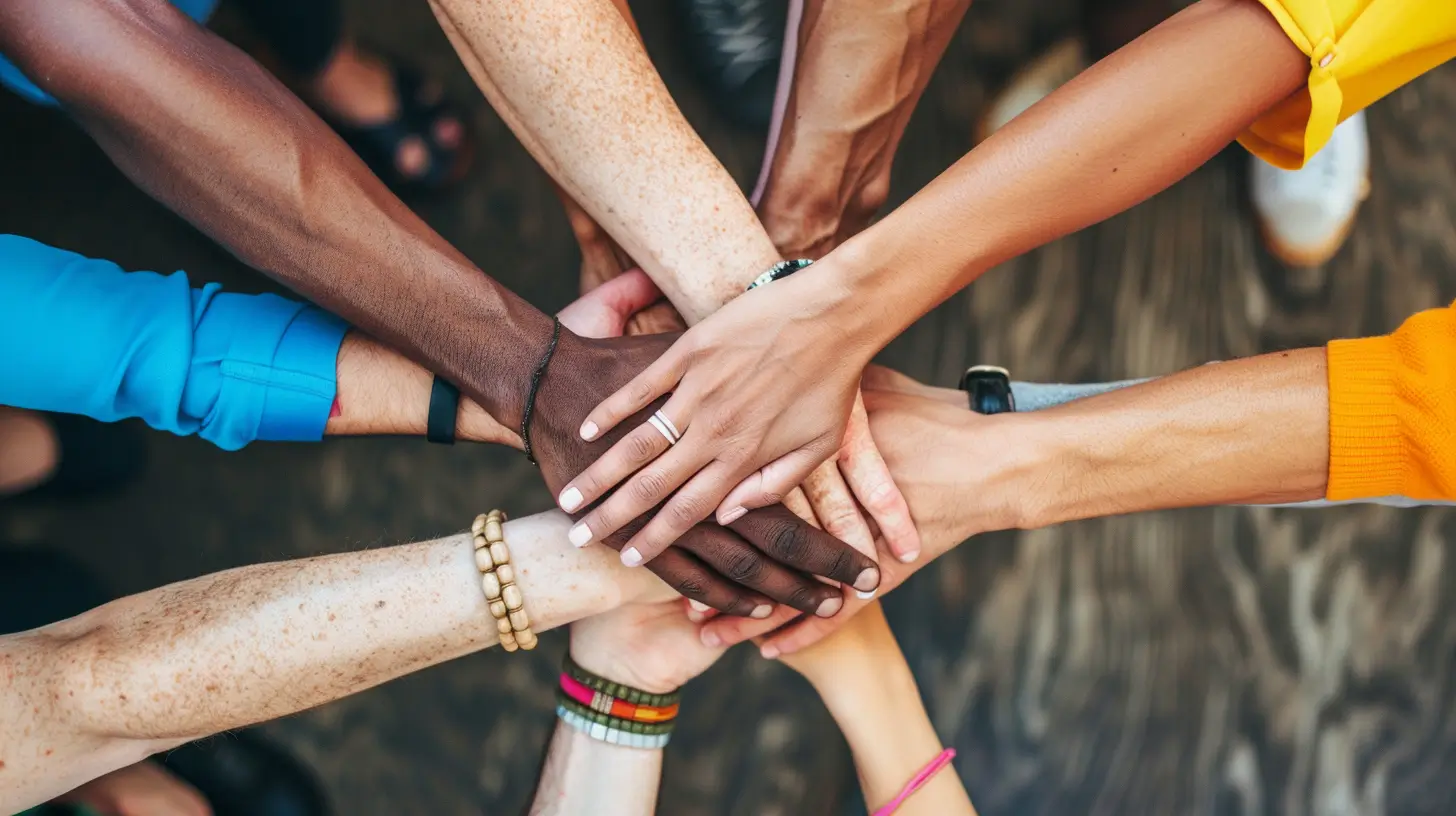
779, 271
988, 389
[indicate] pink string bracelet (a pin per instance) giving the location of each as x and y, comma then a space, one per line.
917, 782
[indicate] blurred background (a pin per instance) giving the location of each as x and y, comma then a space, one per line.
1242, 661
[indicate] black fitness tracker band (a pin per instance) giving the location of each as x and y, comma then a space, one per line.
444, 404
988, 389
778, 271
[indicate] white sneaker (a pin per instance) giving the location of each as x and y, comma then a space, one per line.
1306, 214
1049, 71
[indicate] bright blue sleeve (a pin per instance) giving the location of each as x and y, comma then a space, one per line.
81, 336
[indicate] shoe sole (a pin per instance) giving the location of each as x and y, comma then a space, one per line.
1303, 257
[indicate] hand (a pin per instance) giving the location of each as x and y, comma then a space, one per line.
143, 789
602, 261
768, 551
941, 454
864, 640
760, 384
652, 647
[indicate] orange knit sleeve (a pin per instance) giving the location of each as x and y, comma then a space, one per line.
1393, 411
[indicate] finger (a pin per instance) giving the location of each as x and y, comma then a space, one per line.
639, 446
700, 612
738, 561
807, 631
869, 477
769, 484
639, 496
697, 581
652, 382
733, 631
688, 507
626, 295
798, 504
836, 507
795, 544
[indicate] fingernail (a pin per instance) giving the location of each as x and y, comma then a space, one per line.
868, 581
761, 611
589, 430
711, 639
865, 596
698, 605
829, 607
732, 515
909, 556
769, 652
631, 557
570, 499
580, 535
695, 616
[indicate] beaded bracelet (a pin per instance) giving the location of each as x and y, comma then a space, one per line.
612, 735
617, 690
617, 723
498, 579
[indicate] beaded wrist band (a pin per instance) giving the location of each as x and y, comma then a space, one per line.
778, 271
498, 579
612, 712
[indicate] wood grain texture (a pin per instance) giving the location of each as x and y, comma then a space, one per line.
1229, 661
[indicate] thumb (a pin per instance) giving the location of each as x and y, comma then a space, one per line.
605, 310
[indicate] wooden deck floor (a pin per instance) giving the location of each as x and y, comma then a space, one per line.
1211, 661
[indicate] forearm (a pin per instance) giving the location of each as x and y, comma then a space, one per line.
1252, 431
205, 130
860, 69
576, 86
382, 393
593, 778
878, 708
1120, 132
251, 644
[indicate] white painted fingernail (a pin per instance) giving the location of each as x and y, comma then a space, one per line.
866, 596
589, 430
909, 557
710, 639
769, 652
580, 535
695, 616
732, 515
829, 606
698, 605
631, 557
761, 611
570, 499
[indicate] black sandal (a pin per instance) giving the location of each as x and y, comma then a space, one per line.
420, 110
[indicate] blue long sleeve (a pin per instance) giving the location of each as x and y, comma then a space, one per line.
82, 336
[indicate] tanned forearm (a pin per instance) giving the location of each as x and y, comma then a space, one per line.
860, 70
576, 86
1123, 130
589, 777
205, 130
139, 675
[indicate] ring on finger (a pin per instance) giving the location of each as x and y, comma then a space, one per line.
665, 427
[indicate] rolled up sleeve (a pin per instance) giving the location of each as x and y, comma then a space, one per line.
79, 335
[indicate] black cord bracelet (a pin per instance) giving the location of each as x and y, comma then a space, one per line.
536, 378
444, 405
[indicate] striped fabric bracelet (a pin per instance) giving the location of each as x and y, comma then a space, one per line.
629, 726
608, 734
607, 704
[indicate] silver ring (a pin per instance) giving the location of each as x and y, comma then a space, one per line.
676, 434
659, 422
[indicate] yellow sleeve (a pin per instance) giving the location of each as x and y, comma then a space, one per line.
1393, 411
1359, 51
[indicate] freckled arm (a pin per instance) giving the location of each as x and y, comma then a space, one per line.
100, 691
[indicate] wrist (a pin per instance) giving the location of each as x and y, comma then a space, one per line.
612, 664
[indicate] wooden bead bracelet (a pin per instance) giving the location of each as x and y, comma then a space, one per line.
498, 579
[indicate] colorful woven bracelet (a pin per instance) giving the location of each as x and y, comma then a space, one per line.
597, 717
617, 690
607, 704
611, 735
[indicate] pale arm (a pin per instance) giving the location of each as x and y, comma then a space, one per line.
593, 778
103, 690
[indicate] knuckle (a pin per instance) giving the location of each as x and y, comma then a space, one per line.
648, 486
804, 597
640, 448
788, 541
743, 567
640, 392
685, 511
722, 423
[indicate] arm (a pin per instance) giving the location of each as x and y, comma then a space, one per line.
205, 130
155, 670
858, 71
580, 769
863, 678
